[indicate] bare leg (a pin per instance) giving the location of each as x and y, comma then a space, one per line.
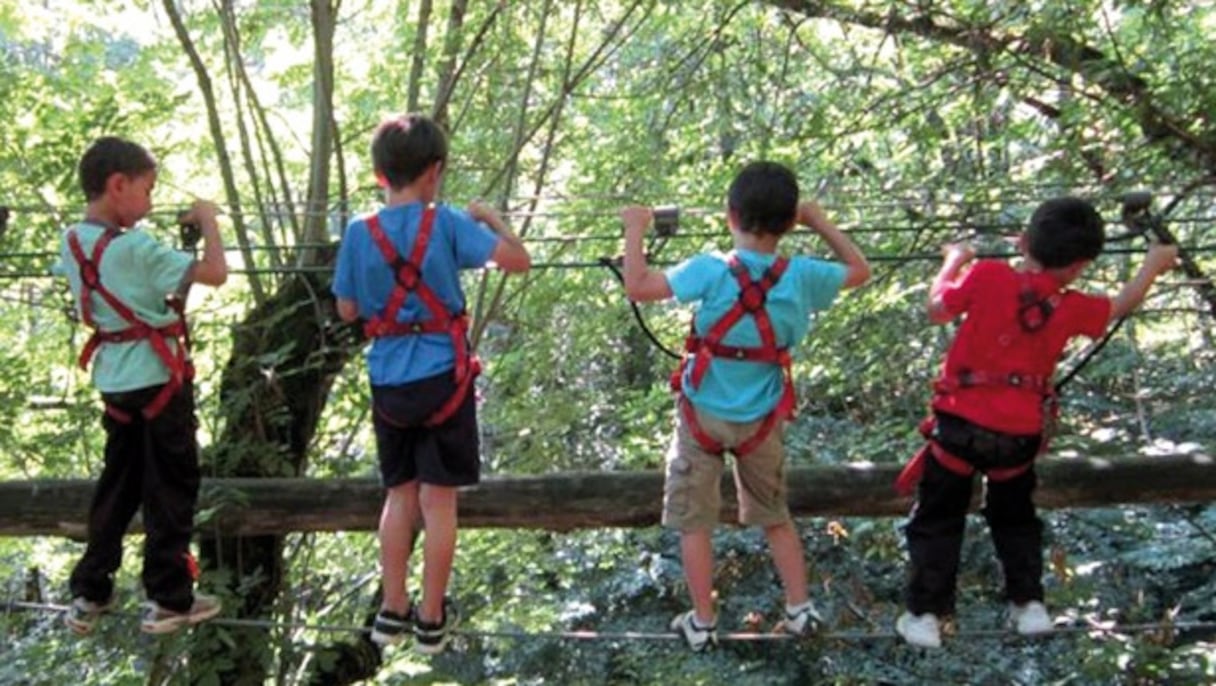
788, 557
439, 511
398, 521
697, 553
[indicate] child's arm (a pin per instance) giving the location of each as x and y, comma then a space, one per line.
811, 215
212, 269
642, 284
957, 256
1160, 259
348, 310
510, 254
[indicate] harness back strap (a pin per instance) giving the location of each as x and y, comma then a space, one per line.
407, 273
752, 297
910, 475
178, 363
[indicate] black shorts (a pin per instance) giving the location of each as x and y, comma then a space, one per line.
983, 448
444, 455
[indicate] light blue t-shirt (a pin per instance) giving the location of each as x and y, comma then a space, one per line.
362, 275
742, 391
140, 272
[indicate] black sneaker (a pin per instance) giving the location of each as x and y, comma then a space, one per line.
433, 638
82, 614
391, 628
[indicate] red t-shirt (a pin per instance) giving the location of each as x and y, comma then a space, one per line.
991, 340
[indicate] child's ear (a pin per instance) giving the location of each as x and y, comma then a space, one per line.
381, 181
732, 218
116, 183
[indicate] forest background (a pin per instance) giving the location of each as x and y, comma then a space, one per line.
913, 123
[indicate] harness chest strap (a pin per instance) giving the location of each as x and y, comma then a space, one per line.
407, 274
177, 363
752, 297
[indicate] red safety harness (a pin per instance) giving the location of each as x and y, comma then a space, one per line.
1033, 313
178, 363
408, 276
752, 297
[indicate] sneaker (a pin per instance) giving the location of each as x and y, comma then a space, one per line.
159, 620
82, 614
800, 619
1029, 619
919, 630
698, 637
391, 628
433, 638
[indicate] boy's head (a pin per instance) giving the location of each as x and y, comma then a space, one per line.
405, 148
1063, 232
763, 199
120, 175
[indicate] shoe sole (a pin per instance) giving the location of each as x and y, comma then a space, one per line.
85, 628
384, 639
433, 648
79, 628
1033, 633
168, 626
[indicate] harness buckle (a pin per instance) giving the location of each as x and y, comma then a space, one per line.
752, 297
89, 275
416, 327
408, 274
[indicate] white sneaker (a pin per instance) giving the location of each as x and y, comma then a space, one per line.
82, 614
1029, 619
698, 637
801, 619
159, 620
919, 630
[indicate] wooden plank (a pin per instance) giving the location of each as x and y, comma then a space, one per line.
583, 500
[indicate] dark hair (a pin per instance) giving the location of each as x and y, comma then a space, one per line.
404, 147
108, 156
764, 198
1063, 231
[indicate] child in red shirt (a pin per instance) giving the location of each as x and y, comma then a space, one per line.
988, 404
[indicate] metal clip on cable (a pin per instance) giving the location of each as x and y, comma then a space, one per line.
188, 233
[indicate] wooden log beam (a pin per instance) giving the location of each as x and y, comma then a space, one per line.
587, 500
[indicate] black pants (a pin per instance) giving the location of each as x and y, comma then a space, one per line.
935, 537
151, 464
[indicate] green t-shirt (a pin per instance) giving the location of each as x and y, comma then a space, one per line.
140, 272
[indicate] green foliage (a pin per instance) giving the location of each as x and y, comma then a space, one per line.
915, 125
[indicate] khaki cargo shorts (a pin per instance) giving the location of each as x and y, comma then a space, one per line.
692, 494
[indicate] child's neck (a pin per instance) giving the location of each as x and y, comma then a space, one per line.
756, 242
406, 195
1031, 266
99, 212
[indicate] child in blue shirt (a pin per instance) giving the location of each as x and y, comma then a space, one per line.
753, 305
398, 270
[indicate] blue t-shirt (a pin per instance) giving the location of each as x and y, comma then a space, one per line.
140, 272
362, 275
742, 391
